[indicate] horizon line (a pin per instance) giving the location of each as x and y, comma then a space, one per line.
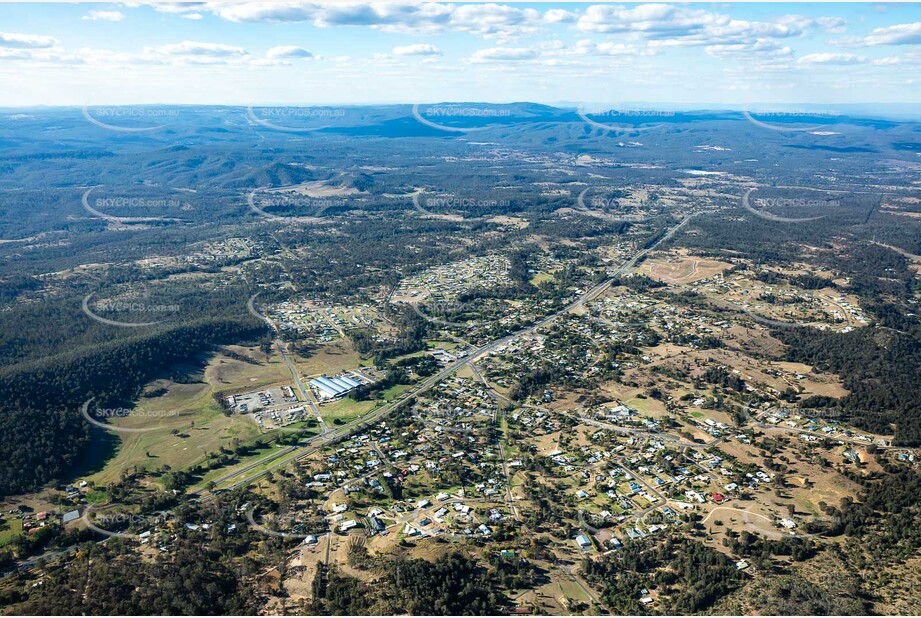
556, 104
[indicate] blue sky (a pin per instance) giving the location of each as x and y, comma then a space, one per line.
335, 53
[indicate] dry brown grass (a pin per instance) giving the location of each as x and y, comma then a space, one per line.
679, 267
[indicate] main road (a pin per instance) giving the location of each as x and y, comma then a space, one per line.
283, 348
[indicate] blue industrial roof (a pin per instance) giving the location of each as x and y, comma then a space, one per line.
350, 381
328, 386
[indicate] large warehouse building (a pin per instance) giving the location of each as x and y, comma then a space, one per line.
334, 387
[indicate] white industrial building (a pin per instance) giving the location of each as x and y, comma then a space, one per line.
332, 388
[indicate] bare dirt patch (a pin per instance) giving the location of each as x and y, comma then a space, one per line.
680, 267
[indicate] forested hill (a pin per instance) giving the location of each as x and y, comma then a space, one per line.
43, 430
880, 369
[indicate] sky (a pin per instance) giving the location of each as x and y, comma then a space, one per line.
248, 53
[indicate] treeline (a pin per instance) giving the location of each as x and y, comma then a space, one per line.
806, 281
721, 376
794, 595
780, 244
638, 282
411, 337
104, 579
576, 226
424, 365
393, 377
40, 414
378, 253
876, 272
519, 287
452, 585
687, 576
760, 550
138, 297
534, 381
886, 517
58, 213
880, 368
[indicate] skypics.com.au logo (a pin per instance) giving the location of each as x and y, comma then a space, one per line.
622, 121
445, 308
292, 119
98, 206
126, 524
790, 121
129, 118
102, 417
132, 309
262, 200
435, 116
422, 203
784, 203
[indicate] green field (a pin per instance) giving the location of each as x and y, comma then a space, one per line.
96, 496
444, 345
198, 433
648, 406
261, 454
572, 590
183, 426
347, 410
9, 530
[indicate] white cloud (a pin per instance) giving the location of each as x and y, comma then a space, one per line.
490, 20
17, 54
487, 20
647, 18
265, 12
25, 41
557, 53
617, 49
666, 25
513, 54
911, 58
759, 47
186, 53
889, 61
288, 51
104, 16
899, 34
179, 7
831, 58
703, 49
47, 56
669, 24
559, 16
195, 48
607, 48
419, 49
832, 24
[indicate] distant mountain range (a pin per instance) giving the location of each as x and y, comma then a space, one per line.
894, 111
